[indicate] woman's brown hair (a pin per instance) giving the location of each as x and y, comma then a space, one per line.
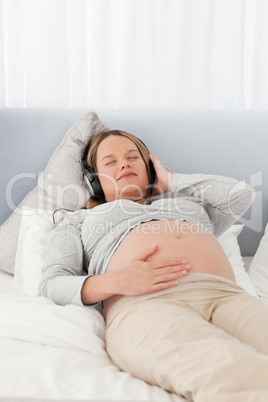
91, 157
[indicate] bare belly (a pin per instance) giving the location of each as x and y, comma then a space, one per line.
175, 239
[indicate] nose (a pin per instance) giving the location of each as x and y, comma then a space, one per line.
124, 164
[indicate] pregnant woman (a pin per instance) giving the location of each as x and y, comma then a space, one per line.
148, 240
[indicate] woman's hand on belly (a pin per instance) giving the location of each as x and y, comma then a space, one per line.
142, 277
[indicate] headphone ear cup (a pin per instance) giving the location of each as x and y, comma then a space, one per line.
152, 177
152, 172
93, 183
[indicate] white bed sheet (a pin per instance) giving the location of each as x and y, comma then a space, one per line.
51, 352
6, 283
247, 261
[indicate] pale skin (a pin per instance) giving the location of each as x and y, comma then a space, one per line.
117, 155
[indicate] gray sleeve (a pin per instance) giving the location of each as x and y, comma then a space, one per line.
224, 199
63, 275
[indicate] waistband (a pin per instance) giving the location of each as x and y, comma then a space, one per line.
193, 281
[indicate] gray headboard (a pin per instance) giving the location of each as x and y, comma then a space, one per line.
233, 144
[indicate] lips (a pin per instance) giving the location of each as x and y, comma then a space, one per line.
126, 175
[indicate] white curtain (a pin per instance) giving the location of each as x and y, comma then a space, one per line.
204, 54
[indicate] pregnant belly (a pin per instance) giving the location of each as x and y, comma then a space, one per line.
175, 239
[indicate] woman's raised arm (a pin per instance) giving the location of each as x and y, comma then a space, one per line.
224, 199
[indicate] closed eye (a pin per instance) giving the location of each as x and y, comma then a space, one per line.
130, 157
109, 163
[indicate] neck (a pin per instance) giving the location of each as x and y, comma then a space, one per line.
141, 200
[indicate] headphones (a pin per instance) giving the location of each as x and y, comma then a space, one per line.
92, 181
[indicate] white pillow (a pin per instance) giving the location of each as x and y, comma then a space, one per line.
229, 243
258, 270
30, 253
60, 185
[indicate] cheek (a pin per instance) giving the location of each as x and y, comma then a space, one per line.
107, 182
106, 179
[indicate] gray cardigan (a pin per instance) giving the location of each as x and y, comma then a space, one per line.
83, 243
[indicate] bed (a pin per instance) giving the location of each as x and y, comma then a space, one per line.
55, 353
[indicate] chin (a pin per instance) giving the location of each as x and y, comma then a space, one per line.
129, 194
134, 191
133, 197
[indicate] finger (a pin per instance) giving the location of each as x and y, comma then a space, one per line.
158, 165
156, 160
171, 276
148, 251
164, 285
153, 156
175, 269
165, 263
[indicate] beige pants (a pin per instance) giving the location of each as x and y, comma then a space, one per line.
206, 339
